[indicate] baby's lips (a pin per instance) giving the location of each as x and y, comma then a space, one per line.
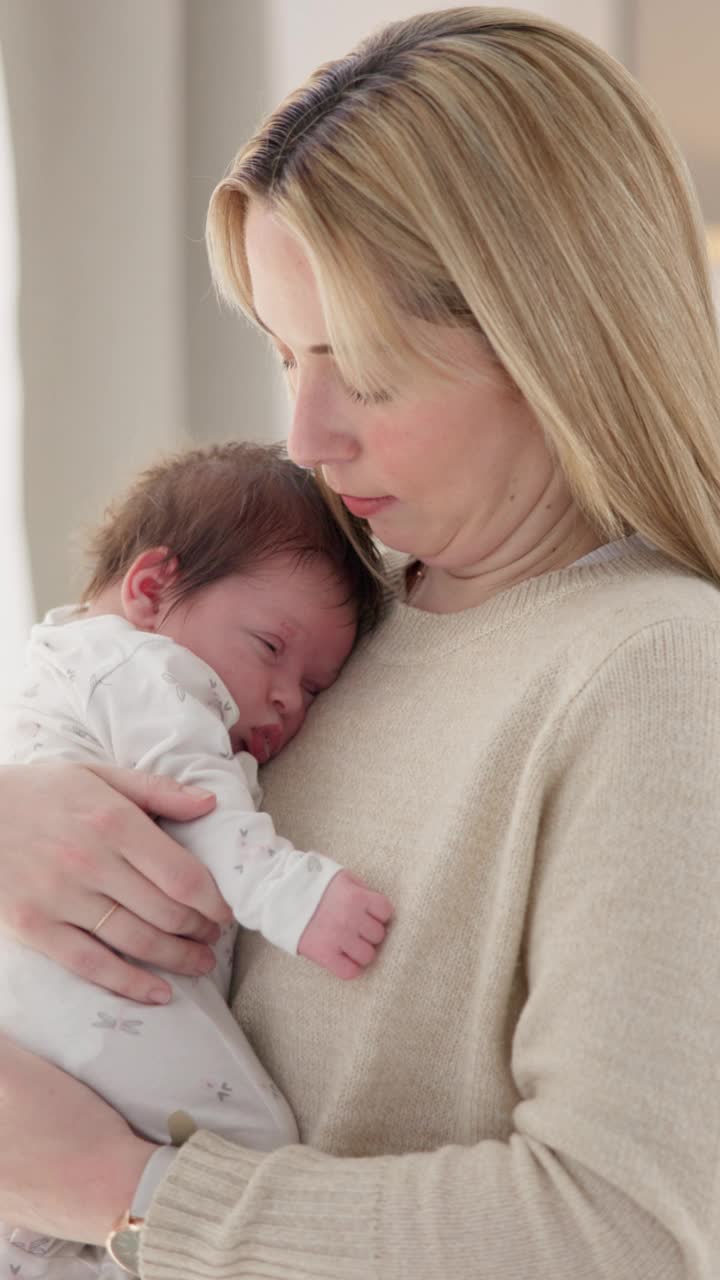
264, 742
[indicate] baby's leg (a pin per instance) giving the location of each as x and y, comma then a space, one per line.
166, 1068
148, 1062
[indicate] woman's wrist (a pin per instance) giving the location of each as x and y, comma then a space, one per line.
118, 1172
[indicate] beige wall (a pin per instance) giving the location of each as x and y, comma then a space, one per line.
303, 34
94, 94
124, 114
676, 55
229, 374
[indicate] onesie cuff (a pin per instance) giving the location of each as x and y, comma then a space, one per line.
291, 904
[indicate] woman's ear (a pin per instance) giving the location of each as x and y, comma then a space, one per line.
146, 587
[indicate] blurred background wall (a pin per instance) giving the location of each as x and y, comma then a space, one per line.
123, 114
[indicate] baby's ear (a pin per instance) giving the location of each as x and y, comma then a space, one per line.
146, 587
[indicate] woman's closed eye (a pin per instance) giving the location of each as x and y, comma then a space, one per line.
357, 397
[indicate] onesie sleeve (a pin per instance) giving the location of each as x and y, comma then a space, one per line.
159, 708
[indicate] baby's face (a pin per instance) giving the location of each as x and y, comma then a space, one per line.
276, 636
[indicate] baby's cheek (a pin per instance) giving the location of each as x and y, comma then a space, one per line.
294, 726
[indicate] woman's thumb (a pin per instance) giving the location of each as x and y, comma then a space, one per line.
157, 794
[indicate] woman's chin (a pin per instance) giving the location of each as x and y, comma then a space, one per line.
393, 539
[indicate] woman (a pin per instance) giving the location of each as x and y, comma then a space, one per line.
473, 248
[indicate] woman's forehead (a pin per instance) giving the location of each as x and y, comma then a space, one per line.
285, 295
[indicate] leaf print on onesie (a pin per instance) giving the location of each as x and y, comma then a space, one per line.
222, 706
73, 728
179, 689
131, 1026
249, 849
110, 1030
220, 1088
58, 1015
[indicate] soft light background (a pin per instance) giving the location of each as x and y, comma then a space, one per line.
123, 114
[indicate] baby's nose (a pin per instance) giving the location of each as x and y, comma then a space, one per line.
288, 699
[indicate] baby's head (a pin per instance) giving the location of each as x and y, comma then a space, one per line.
232, 552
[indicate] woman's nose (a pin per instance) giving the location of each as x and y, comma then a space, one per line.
315, 438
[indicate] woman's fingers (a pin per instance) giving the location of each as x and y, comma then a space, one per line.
123, 883
71, 845
157, 794
80, 953
138, 940
90, 957
178, 875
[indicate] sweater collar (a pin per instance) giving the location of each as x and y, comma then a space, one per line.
409, 633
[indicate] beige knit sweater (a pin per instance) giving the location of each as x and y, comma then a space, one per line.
526, 1086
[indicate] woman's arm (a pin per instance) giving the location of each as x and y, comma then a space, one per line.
612, 1170
69, 1164
72, 840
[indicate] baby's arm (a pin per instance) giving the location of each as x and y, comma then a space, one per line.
165, 711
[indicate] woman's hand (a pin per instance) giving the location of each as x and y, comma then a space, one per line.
69, 1164
73, 841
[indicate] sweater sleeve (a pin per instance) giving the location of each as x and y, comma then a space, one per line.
611, 1172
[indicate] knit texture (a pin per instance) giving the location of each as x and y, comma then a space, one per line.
525, 1086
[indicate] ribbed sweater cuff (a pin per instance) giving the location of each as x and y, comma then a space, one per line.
218, 1213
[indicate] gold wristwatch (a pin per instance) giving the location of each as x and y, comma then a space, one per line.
123, 1243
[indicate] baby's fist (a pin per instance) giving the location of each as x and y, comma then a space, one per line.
348, 926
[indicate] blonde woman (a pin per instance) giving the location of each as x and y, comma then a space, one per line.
473, 246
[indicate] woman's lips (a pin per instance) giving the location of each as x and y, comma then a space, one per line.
365, 507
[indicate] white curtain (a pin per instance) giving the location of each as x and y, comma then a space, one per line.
16, 603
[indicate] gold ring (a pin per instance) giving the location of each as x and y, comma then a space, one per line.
104, 918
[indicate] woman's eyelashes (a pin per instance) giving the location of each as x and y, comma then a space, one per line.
357, 397
368, 397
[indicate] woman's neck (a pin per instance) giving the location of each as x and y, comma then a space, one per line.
437, 589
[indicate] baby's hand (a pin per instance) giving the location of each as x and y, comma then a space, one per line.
348, 925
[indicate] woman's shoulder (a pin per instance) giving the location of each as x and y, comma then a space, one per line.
632, 629
640, 588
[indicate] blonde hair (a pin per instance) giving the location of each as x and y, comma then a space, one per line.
482, 167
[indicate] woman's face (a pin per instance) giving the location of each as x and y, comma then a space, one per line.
450, 470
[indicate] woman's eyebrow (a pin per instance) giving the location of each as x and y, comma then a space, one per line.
322, 349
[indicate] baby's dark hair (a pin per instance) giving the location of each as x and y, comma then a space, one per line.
225, 510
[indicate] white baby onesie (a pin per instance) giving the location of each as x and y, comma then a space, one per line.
97, 689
